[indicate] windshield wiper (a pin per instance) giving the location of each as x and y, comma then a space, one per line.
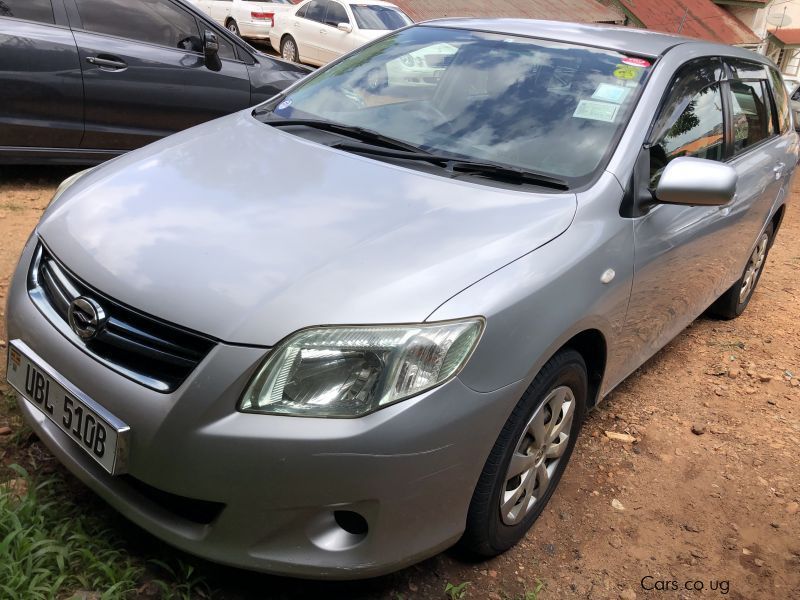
359, 133
457, 165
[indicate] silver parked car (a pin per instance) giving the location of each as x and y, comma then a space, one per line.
338, 334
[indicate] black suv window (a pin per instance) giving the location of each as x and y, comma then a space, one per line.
336, 14
691, 121
153, 21
32, 10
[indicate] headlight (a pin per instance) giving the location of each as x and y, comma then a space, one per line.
352, 371
67, 183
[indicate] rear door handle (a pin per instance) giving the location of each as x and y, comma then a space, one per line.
778, 170
109, 64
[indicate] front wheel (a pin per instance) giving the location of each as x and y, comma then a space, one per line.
289, 49
733, 302
529, 456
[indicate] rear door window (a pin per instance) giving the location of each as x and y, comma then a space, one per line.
336, 14
749, 114
31, 10
316, 11
157, 22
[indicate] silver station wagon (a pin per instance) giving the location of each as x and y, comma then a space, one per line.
336, 334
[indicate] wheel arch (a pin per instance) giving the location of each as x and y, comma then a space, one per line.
777, 220
591, 345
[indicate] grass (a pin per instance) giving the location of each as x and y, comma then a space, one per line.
56, 545
456, 592
49, 547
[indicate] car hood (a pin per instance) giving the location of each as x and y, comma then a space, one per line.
248, 233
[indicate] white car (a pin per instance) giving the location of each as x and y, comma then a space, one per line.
245, 18
319, 31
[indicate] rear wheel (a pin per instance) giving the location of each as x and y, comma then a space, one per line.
529, 457
289, 49
233, 27
733, 302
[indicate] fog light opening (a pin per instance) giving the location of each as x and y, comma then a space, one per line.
352, 522
337, 530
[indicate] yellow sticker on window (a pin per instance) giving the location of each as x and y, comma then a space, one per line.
626, 72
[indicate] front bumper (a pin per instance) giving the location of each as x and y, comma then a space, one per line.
408, 470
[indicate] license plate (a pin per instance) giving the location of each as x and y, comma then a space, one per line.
98, 433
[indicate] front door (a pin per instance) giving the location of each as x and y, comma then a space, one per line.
41, 87
144, 72
680, 257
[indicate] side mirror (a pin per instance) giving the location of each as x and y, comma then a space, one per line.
346, 27
696, 182
211, 50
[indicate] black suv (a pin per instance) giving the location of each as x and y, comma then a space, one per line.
82, 81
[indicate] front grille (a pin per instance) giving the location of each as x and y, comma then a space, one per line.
154, 353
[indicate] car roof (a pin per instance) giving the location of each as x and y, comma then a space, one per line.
628, 39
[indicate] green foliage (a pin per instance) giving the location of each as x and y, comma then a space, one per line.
184, 583
534, 593
48, 547
456, 592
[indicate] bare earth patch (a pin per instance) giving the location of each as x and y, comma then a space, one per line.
706, 496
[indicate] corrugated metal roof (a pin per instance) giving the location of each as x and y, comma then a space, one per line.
787, 36
701, 19
584, 11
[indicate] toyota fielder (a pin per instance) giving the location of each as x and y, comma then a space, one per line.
337, 334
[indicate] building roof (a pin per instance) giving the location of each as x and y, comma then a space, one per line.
753, 3
699, 18
633, 40
787, 36
585, 11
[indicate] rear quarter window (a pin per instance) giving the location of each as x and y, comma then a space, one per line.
781, 100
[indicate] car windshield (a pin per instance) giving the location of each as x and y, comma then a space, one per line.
542, 106
376, 16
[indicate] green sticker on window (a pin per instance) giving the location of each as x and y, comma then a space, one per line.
596, 111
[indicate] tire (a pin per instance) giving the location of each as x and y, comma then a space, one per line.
733, 302
233, 27
492, 529
289, 49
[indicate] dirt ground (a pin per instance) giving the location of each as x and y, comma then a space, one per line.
706, 498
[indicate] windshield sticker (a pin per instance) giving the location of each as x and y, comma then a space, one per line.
636, 62
285, 104
596, 111
626, 72
609, 92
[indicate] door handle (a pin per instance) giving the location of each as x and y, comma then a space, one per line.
108, 64
778, 170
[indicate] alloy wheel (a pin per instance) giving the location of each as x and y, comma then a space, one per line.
537, 455
754, 266
289, 50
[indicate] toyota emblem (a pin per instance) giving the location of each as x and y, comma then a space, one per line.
86, 317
